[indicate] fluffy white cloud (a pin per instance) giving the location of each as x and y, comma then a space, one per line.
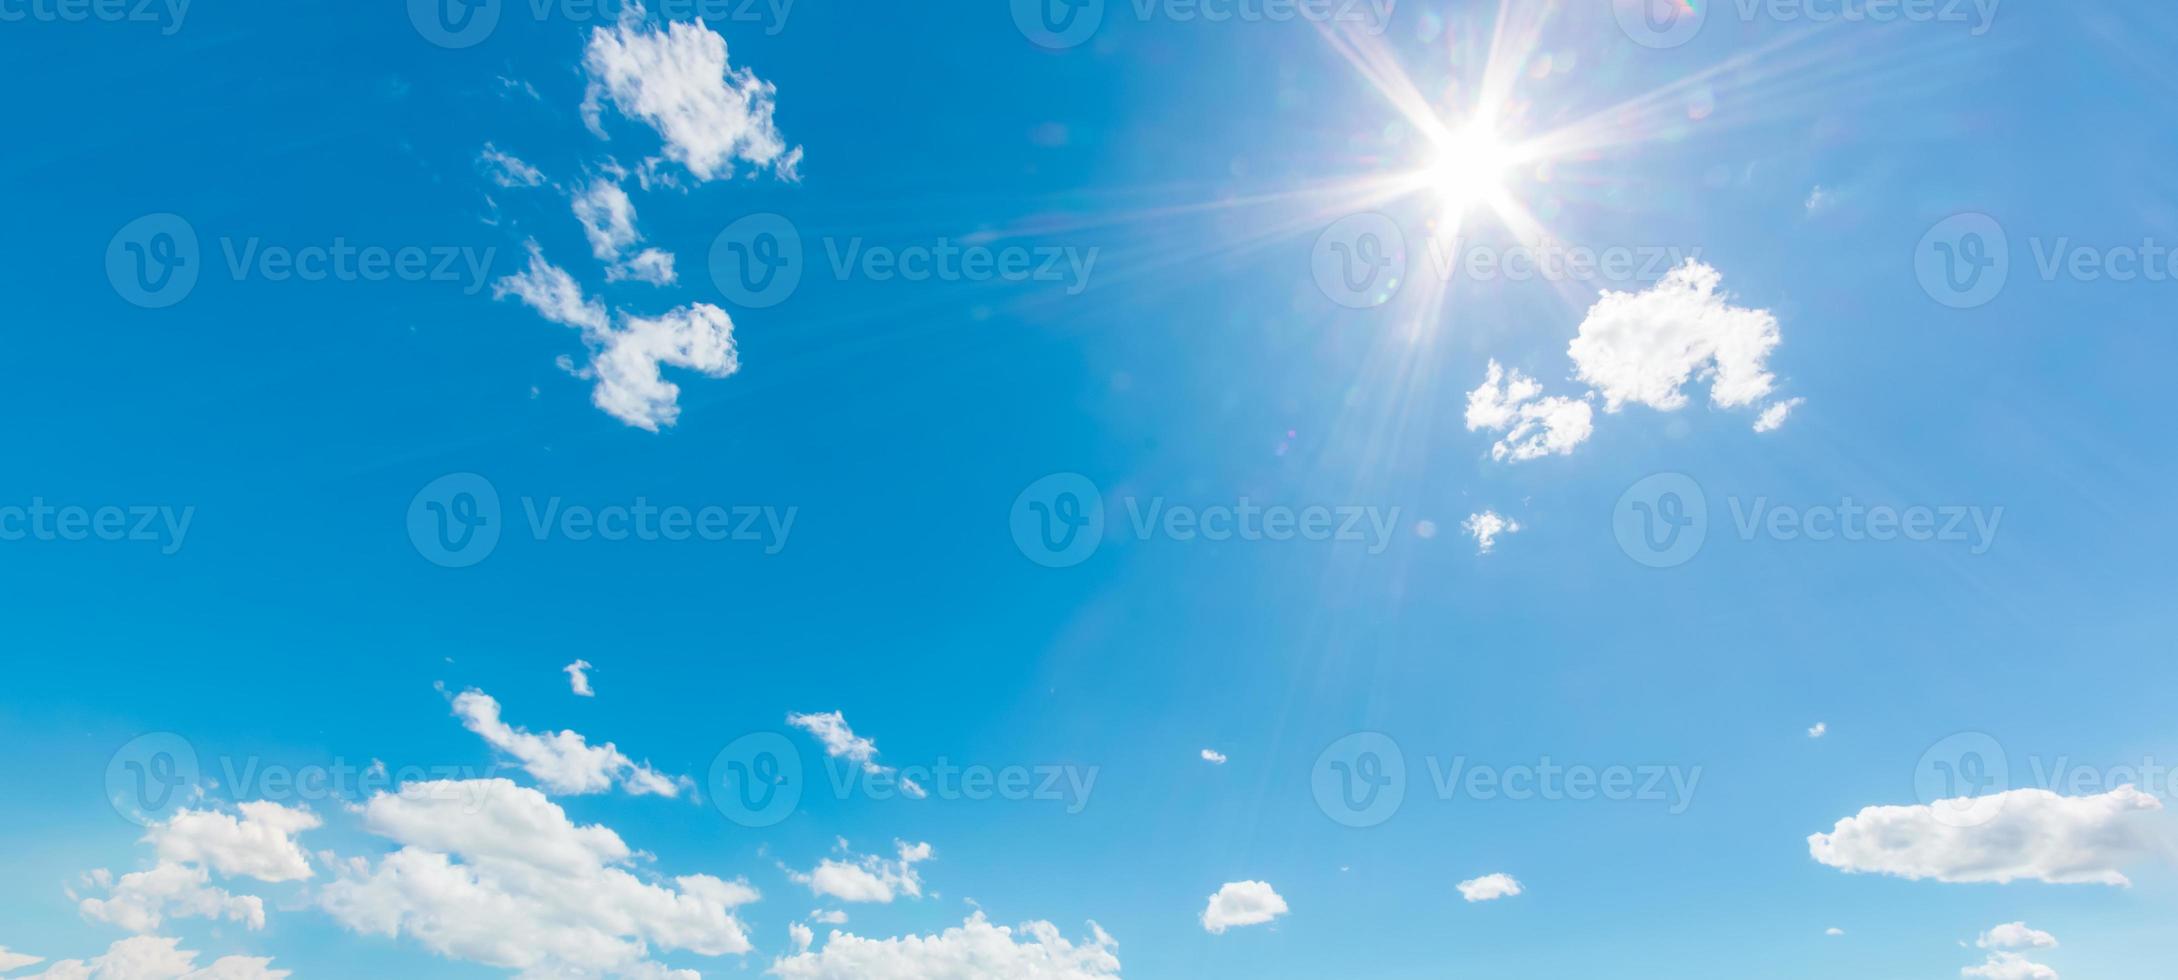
1242, 903
868, 878
1819, 730
2009, 966
2023, 833
625, 362
840, 740
142, 900
563, 761
608, 219
1774, 416
1485, 529
976, 950
507, 170
1488, 887
495, 873
2016, 935
10, 960
1213, 757
578, 678
1644, 348
1535, 426
260, 844
651, 265
801, 935
154, 958
554, 294
1833, 931
678, 81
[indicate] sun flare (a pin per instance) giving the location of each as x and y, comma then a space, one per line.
1472, 166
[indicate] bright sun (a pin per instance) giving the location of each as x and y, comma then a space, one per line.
1472, 165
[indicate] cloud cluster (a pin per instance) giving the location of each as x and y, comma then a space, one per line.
867, 878
976, 950
678, 81
1534, 425
1486, 527
260, 843
2029, 834
147, 958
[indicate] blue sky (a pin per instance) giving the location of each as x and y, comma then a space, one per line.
1118, 410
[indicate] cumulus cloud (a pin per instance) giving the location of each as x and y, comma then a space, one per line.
1485, 529
141, 901
2016, 935
1241, 903
1833, 931
2009, 966
495, 873
608, 221
1645, 348
2020, 834
564, 761
1489, 887
868, 878
1534, 425
1213, 757
677, 80
578, 678
152, 958
1773, 417
841, 742
1819, 730
554, 294
976, 950
260, 844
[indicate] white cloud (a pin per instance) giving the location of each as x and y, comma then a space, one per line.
152, 958
1485, 529
840, 741
507, 170
142, 900
651, 265
625, 362
1833, 931
868, 878
976, 950
1819, 730
1489, 887
1820, 199
2009, 966
2020, 834
578, 678
801, 935
1535, 426
554, 294
830, 917
495, 873
1213, 757
608, 219
2016, 935
1774, 416
10, 960
261, 844
678, 81
1644, 348
563, 761
1242, 903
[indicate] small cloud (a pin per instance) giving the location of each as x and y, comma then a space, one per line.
1821, 729
2016, 935
1241, 903
1775, 415
1489, 887
1485, 529
1833, 931
578, 679
1535, 426
1213, 757
1820, 199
